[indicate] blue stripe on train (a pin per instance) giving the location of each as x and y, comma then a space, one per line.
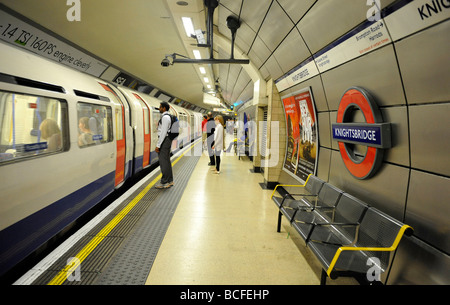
24, 237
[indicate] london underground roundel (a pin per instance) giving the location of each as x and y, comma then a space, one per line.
373, 133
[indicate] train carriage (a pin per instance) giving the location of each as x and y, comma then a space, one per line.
67, 140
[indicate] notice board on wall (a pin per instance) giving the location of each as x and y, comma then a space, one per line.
302, 145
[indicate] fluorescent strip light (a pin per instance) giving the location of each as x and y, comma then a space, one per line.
206, 79
197, 54
188, 26
208, 86
202, 70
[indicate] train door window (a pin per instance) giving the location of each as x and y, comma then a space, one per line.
119, 124
94, 124
146, 121
156, 116
31, 126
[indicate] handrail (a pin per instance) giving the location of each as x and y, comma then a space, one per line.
301, 185
377, 249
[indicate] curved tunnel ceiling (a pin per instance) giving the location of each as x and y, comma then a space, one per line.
135, 35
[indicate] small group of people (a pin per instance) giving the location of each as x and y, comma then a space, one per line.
214, 130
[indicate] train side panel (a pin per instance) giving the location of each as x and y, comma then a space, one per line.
48, 180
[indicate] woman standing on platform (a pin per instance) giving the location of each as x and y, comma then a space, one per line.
218, 140
204, 135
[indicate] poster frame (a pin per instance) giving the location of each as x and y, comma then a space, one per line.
294, 174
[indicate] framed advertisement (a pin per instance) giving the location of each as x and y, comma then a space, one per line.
302, 135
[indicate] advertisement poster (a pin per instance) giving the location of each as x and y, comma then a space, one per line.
301, 128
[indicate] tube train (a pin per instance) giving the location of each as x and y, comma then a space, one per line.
67, 140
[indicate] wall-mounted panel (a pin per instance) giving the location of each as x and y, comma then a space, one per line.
428, 209
385, 191
338, 18
398, 117
430, 134
253, 11
244, 38
292, 51
296, 9
275, 27
417, 263
273, 67
423, 60
333, 119
259, 52
376, 72
324, 129
323, 168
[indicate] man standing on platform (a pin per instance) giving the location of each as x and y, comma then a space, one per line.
163, 147
210, 128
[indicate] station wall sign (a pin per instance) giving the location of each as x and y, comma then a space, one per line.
23, 35
373, 133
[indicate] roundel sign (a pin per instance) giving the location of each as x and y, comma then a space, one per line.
373, 133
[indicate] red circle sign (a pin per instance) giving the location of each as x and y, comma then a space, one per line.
360, 99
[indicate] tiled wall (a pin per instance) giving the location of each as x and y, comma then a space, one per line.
410, 79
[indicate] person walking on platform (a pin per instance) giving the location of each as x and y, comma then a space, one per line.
218, 140
163, 147
210, 127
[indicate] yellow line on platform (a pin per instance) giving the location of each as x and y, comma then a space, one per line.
84, 253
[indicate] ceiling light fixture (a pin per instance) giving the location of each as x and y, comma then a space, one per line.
188, 26
197, 54
233, 24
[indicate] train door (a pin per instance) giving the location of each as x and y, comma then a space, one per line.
119, 117
121, 145
147, 137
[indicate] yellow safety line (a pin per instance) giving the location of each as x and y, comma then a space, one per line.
378, 249
84, 253
301, 185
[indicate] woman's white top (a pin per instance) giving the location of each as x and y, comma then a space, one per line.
218, 137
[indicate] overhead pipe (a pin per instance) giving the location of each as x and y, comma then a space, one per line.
233, 24
211, 5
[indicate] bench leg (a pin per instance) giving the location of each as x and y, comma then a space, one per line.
279, 221
323, 278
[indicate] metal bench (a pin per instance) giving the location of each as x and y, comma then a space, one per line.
348, 237
288, 204
339, 208
365, 250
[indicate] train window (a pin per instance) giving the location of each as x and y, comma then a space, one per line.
119, 124
146, 121
31, 126
156, 116
94, 124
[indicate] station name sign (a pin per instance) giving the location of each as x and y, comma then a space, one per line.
374, 135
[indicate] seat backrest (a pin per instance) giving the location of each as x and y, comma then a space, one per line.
378, 228
329, 195
349, 209
314, 185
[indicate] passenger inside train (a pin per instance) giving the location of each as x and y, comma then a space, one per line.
85, 136
51, 132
